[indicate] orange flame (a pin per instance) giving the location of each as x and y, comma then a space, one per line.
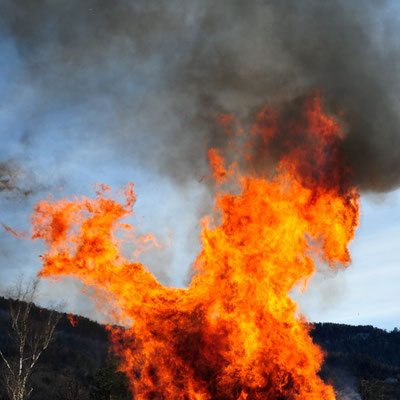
73, 320
234, 333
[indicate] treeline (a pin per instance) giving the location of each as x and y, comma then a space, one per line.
379, 344
75, 362
360, 360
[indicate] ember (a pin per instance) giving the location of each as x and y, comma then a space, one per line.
234, 333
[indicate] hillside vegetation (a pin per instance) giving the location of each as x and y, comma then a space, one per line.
360, 361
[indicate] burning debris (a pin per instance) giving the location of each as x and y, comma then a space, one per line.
234, 333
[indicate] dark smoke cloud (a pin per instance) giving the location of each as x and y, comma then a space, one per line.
149, 77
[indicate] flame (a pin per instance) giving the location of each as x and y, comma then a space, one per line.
234, 333
72, 320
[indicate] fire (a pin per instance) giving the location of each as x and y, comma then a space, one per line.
72, 320
234, 333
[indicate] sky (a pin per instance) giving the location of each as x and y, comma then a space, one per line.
101, 93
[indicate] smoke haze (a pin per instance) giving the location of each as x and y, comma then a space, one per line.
146, 80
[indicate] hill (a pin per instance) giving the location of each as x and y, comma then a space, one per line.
360, 360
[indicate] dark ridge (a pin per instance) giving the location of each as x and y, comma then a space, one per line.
71, 361
77, 364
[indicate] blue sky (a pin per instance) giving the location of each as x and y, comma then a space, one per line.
367, 292
89, 97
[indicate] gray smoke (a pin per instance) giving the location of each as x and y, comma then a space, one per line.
16, 181
148, 78
8, 177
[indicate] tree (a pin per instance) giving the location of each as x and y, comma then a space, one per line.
31, 331
109, 383
69, 388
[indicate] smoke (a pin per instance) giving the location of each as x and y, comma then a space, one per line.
8, 177
16, 181
148, 79
348, 394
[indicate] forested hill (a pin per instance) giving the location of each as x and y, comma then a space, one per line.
67, 369
380, 345
362, 359
76, 366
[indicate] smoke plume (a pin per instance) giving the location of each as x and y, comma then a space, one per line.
148, 79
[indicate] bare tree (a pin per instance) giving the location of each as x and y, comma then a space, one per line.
30, 335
